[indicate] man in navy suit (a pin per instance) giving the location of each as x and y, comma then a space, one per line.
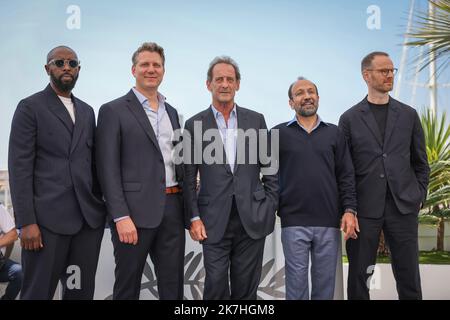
55, 193
234, 209
388, 151
141, 183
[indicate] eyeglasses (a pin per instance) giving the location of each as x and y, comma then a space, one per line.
60, 63
385, 72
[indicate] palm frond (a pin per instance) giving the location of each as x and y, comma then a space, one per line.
433, 32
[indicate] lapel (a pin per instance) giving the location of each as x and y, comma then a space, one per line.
210, 123
370, 121
391, 119
56, 106
173, 117
80, 120
243, 126
139, 113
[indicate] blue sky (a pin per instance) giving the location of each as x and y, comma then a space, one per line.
272, 41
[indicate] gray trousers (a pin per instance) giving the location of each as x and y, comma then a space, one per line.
233, 266
323, 244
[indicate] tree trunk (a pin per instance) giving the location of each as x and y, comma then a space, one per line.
440, 235
383, 249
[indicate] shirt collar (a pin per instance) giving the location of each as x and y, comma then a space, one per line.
144, 101
319, 121
217, 113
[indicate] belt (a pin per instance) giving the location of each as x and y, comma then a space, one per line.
174, 189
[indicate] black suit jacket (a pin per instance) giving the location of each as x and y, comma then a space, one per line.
51, 165
131, 166
399, 163
256, 198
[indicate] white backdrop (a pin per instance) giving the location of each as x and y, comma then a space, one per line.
272, 278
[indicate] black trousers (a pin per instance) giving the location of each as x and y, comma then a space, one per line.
234, 263
165, 244
401, 234
72, 259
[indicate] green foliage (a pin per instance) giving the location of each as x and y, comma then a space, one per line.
425, 257
437, 138
433, 31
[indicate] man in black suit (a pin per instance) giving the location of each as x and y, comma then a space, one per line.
234, 209
55, 193
387, 145
141, 184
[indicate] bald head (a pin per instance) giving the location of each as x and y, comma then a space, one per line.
290, 94
52, 53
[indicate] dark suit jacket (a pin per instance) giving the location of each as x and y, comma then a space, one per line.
51, 165
401, 162
131, 166
256, 200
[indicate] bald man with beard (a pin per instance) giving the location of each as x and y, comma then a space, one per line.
57, 202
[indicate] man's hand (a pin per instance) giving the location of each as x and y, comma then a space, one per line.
127, 231
349, 225
30, 237
197, 230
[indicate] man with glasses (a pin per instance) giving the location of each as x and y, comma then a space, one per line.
387, 145
56, 197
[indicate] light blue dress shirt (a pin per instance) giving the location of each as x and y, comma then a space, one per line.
228, 133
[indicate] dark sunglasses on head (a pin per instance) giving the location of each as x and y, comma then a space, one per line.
60, 63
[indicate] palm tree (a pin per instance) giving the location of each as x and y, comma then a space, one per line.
433, 32
437, 140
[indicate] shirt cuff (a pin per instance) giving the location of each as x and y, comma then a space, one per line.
195, 218
121, 218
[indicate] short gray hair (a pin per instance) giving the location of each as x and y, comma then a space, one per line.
150, 47
298, 79
226, 60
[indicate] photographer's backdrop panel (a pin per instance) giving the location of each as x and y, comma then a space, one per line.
434, 277
272, 285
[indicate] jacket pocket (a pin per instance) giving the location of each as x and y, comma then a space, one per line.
259, 195
202, 201
131, 186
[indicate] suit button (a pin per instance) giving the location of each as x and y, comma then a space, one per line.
384, 155
382, 176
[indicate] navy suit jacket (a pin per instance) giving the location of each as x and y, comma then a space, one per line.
51, 165
131, 166
399, 163
256, 196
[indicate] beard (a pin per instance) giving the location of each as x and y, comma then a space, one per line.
388, 86
307, 112
384, 87
64, 85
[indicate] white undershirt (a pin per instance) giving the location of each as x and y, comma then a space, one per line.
69, 106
